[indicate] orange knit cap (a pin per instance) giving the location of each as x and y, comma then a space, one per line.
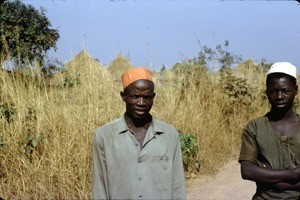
135, 74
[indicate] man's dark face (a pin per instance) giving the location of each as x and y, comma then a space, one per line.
138, 97
281, 93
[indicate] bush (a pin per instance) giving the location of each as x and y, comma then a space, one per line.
7, 112
237, 89
190, 153
2, 143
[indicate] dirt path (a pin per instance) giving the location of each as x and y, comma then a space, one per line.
227, 184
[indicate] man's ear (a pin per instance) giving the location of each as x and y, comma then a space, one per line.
296, 88
154, 94
123, 95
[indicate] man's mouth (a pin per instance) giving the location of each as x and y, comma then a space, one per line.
140, 111
280, 104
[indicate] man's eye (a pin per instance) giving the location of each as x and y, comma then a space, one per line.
286, 90
272, 91
149, 97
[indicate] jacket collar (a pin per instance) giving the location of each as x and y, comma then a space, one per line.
122, 127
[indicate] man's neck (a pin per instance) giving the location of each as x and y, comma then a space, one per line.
275, 115
134, 123
138, 127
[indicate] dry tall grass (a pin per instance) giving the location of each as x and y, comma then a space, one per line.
65, 115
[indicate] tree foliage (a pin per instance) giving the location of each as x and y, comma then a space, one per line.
25, 32
221, 55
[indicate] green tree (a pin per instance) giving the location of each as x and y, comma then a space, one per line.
221, 55
25, 33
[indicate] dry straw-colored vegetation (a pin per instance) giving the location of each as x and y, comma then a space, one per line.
47, 125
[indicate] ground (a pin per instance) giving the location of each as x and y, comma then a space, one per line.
226, 185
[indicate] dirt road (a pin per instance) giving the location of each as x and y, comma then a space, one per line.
226, 185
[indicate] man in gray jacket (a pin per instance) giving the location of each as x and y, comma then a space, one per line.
137, 156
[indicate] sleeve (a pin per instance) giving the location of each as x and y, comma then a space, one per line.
249, 149
100, 180
178, 183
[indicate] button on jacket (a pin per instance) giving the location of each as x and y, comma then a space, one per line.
122, 169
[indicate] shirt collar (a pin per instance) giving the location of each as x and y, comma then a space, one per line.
122, 126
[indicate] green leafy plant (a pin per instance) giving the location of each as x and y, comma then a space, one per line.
7, 112
2, 143
190, 152
31, 143
237, 89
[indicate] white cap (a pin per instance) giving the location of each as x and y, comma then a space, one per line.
283, 67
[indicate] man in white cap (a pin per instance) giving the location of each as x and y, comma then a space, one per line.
137, 156
270, 150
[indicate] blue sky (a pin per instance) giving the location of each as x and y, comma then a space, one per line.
153, 33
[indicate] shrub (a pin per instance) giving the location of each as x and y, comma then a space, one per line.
237, 89
190, 153
7, 112
31, 143
2, 143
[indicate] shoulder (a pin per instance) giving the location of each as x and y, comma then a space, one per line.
259, 121
256, 125
110, 127
109, 124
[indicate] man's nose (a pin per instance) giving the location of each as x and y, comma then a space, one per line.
141, 101
279, 95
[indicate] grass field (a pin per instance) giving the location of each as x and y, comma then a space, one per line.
47, 125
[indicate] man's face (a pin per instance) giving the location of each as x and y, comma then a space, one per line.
138, 97
281, 93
